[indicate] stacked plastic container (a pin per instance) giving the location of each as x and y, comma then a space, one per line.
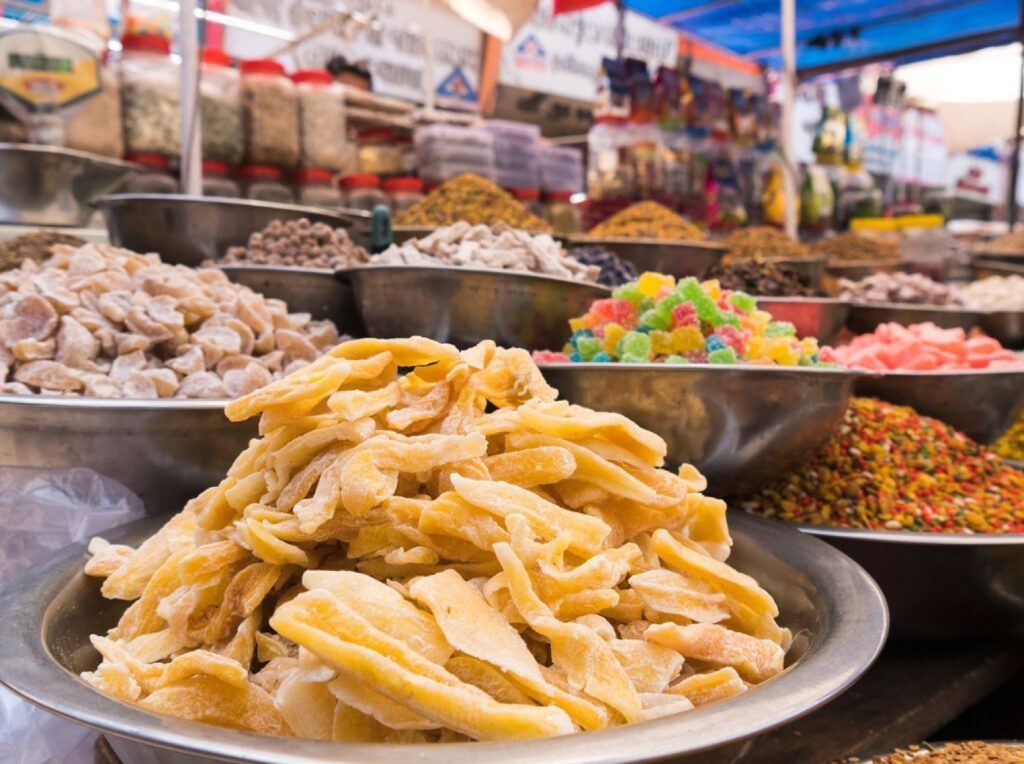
445, 151
516, 153
561, 169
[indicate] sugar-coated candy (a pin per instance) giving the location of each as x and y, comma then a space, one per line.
713, 342
651, 284
687, 339
588, 347
549, 356
612, 334
615, 310
684, 314
661, 343
601, 357
743, 301
652, 319
675, 359
628, 292
781, 329
723, 355
575, 357
634, 345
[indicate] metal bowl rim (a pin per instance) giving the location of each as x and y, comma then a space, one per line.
429, 229
344, 219
943, 373
831, 301
714, 246
101, 404
911, 537
684, 368
839, 265
238, 268
798, 691
99, 159
918, 307
458, 269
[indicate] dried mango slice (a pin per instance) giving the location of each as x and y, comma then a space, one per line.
416, 411
129, 580
298, 452
351, 405
451, 515
531, 466
666, 591
210, 700
414, 351
352, 692
105, 558
660, 705
651, 667
308, 386
489, 679
754, 659
307, 707
701, 689
364, 485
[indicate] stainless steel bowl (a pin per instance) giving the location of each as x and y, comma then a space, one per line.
836, 612
466, 305
821, 317
855, 271
985, 267
1012, 258
811, 267
676, 258
741, 426
866, 317
981, 404
1007, 326
186, 230
50, 186
306, 290
941, 586
165, 451
402, 233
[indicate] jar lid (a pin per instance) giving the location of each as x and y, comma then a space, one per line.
558, 196
148, 159
312, 175
525, 194
215, 57
151, 43
259, 172
262, 66
360, 181
213, 167
315, 76
403, 184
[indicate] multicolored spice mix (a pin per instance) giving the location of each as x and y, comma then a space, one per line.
473, 199
888, 468
647, 220
974, 752
763, 278
1011, 444
655, 319
762, 241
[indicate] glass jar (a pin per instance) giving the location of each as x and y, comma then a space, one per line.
644, 152
609, 176
263, 183
530, 197
220, 105
403, 192
363, 192
216, 181
155, 178
379, 153
95, 126
562, 215
316, 189
321, 119
149, 96
271, 110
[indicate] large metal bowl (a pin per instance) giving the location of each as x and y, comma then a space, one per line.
1007, 326
165, 451
466, 305
981, 404
855, 271
821, 317
306, 290
186, 230
742, 426
866, 317
985, 267
941, 586
676, 258
811, 267
835, 611
50, 186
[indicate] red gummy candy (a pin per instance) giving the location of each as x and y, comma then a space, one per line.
613, 310
549, 356
684, 314
733, 337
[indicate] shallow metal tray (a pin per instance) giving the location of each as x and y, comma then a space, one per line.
742, 426
866, 317
855, 271
306, 290
941, 586
985, 267
981, 404
676, 258
165, 451
821, 317
52, 186
836, 612
186, 230
466, 305
811, 267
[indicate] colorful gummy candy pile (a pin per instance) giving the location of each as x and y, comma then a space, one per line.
889, 468
656, 319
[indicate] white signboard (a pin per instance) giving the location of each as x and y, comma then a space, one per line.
394, 53
561, 55
977, 179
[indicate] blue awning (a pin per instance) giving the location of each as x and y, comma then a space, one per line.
834, 33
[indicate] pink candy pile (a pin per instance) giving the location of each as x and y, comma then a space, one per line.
921, 347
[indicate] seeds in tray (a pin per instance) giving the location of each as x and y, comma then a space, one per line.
889, 468
406, 558
223, 136
657, 320
472, 199
1011, 444
763, 242
921, 347
614, 270
647, 220
297, 243
1007, 244
271, 109
972, 752
911, 288
996, 293
104, 322
499, 246
151, 118
851, 247
35, 246
761, 277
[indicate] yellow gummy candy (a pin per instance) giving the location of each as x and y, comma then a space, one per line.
587, 321
651, 284
759, 321
783, 352
661, 343
712, 288
757, 347
687, 339
612, 334
575, 324
809, 346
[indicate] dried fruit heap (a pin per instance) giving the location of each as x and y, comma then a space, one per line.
647, 220
474, 200
761, 241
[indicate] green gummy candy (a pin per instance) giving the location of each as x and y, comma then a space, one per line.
655, 319
628, 292
724, 355
675, 359
669, 301
636, 346
588, 347
723, 317
743, 301
645, 304
634, 358
780, 329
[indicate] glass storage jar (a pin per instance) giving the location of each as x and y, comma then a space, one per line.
321, 119
379, 153
263, 183
530, 198
220, 106
562, 215
216, 181
150, 107
271, 114
316, 188
363, 192
403, 192
155, 178
95, 126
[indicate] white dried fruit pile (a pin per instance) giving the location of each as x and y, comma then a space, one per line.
110, 323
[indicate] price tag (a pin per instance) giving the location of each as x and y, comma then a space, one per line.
45, 70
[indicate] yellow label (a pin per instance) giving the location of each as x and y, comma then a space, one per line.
44, 70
